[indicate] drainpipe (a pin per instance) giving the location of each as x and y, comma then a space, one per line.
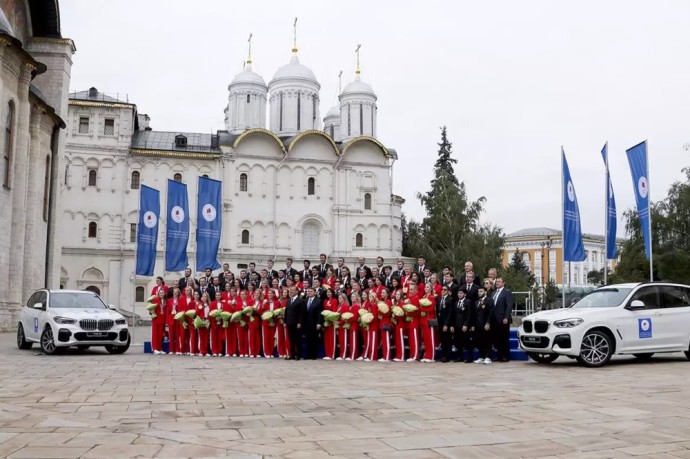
54, 140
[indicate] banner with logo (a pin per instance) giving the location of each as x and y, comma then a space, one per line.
637, 158
208, 225
573, 247
611, 220
147, 234
177, 229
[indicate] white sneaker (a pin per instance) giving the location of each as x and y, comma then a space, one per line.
410, 360
480, 360
367, 360
398, 360
348, 359
179, 353
360, 358
339, 358
327, 358
487, 361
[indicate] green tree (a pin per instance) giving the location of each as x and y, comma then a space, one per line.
517, 275
595, 277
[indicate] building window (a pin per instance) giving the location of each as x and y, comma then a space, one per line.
372, 121
93, 229
349, 121
299, 111
248, 98
83, 125
361, 119
92, 177
243, 182
109, 127
311, 186
132, 232
313, 110
359, 240
140, 294
280, 124
367, 201
136, 180
245, 236
205, 176
46, 189
9, 133
180, 141
177, 177
333, 131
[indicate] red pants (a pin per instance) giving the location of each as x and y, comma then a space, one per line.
283, 341
193, 339
399, 340
354, 344
203, 333
413, 342
268, 335
157, 335
429, 339
365, 341
329, 341
343, 338
254, 340
373, 344
177, 334
217, 336
385, 344
184, 339
242, 340
231, 339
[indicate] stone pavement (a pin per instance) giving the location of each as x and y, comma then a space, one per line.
93, 404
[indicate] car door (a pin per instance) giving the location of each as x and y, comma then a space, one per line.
33, 316
676, 315
641, 329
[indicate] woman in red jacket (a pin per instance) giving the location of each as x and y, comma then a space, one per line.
354, 329
158, 322
203, 308
242, 334
283, 340
400, 327
254, 325
344, 326
160, 285
188, 334
385, 326
217, 330
428, 313
373, 329
378, 287
412, 321
330, 333
329, 279
229, 299
268, 327
175, 330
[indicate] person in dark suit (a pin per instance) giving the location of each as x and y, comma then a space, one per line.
361, 265
205, 288
501, 319
295, 313
272, 273
462, 328
289, 270
471, 289
469, 267
399, 270
482, 327
313, 323
323, 265
450, 282
445, 313
187, 280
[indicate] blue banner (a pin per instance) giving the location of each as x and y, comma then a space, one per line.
573, 247
208, 225
637, 158
147, 234
611, 225
177, 229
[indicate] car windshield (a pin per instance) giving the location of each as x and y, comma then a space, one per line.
74, 300
603, 298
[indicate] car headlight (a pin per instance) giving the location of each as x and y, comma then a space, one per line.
64, 320
120, 321
567, 323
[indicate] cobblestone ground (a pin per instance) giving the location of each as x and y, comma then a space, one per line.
92, 404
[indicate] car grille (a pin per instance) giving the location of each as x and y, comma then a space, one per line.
84, 336
540, 326
527, 326
535, 342
93, 324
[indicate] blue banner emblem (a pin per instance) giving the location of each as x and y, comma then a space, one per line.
147, 234
645, 327
208, 224
637, 158
177, 229
573, 247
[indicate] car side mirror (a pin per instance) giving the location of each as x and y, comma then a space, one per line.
636, 305
37, 306
112, 306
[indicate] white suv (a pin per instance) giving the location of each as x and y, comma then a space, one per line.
636, 319
71, 318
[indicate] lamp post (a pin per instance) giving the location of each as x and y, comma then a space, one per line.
545, 244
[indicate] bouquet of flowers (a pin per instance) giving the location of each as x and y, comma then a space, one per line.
226, 318
215, 313
199, 323
151, 308
347, 317
237, 317
366, 319
269, 315
249, 311
279, 314
383, 307
151, 298
330, 318
425, 303
362, 311
398, 311
410, 308
180, 317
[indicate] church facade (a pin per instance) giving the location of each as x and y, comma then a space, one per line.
295, 188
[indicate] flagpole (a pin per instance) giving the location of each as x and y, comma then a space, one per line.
649, 206
136, 253
563, 228
606, 215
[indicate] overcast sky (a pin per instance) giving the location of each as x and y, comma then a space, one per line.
512, 81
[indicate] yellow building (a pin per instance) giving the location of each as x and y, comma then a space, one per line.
542, 251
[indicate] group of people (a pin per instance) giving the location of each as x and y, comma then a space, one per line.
377, 313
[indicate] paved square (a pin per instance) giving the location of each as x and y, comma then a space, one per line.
93, 404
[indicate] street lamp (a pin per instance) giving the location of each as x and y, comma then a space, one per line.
545, 244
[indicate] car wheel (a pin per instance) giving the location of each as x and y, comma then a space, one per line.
118, 349
596, 349
48, 342
22, 343
646, 357
541, 357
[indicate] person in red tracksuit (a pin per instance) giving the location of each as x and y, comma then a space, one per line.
385, 327
428, 313
203, 308
187, 327
330, 279
354, 329
158, 323
400, 327
281, 328
330, 334
378, 287
268, 327
364, 331
373, 333
193, 332
160, 285
175, 330
343, 331
242, 334
217, 330
229, 299
412, 320
254, 326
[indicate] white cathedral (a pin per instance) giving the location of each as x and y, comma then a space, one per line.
298, 188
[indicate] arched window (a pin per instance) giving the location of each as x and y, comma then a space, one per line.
245, 236
249, 98
177, 177
93, 229
311, 186
139, 295
243, 182
359, 240
9, 133
92, 177
205, 176
367, 201
299, 112
136, 180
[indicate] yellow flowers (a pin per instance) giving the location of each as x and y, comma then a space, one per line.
425, 302
383, 307
226, 318
191, 313
410, 308
151, 308
215, 313
199, 323
347, 315
268, 315
367, 318
398, 311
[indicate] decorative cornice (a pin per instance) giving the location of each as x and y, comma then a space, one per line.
57, 41
173, 154
86, 103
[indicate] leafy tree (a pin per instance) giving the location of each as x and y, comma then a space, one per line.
596, 277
